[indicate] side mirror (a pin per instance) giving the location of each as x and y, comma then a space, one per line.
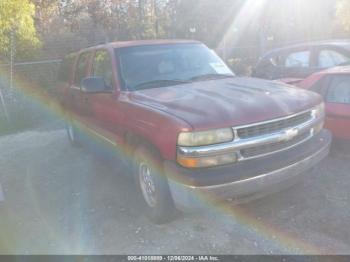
93, 85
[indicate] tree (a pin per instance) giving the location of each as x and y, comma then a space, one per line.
45, 13
16, 19
343, 14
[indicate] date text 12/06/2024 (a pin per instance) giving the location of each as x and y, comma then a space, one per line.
173, 258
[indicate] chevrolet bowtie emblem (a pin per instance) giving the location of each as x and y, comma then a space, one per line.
290, 134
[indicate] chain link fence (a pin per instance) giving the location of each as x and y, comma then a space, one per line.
20, 109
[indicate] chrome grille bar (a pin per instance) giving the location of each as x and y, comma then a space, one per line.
271, 127
239, 144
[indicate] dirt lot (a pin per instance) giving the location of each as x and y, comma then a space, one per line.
63, 200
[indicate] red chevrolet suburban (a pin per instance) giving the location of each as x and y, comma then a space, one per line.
194, 132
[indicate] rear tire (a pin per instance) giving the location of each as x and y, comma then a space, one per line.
153, 185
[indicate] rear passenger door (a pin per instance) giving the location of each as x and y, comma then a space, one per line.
77, 104
330, 57
64, 78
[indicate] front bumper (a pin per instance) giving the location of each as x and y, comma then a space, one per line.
250, 179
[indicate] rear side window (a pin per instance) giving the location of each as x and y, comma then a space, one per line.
81, 68
66, 68
102, 67
330, 58
339, 90
298, 59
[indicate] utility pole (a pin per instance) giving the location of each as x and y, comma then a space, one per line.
193, 31
2, 100
141, 28
174, 6
224, 49
156, 23
263, 31
12, 56
262, 41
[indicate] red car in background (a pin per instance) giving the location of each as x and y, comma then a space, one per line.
334, 85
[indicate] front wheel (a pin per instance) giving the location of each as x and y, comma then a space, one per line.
153, 184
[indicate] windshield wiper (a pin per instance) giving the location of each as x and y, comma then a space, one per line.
211, 77
160, 83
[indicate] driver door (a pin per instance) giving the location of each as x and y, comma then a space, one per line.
105, 113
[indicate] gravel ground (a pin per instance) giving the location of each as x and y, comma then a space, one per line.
64, 200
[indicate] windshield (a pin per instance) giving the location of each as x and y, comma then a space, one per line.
152, 66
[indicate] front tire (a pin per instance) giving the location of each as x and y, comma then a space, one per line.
153, 186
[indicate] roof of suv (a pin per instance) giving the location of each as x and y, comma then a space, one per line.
142, 42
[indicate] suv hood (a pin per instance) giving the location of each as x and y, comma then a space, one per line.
227, 102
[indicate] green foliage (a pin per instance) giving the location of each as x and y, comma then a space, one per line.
16, 16
343, 13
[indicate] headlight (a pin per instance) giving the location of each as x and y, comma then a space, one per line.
205, 137
318, 111
318, 127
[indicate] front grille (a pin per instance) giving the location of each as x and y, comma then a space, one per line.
273, 126
274, 147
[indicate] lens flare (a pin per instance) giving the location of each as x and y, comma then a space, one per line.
250, 11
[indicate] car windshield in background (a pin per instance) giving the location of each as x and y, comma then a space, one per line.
151, 66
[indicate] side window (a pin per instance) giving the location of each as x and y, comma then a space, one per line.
321, 86
66, 68
298, 59
339, 90
330, 58
102, 67
80, 71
